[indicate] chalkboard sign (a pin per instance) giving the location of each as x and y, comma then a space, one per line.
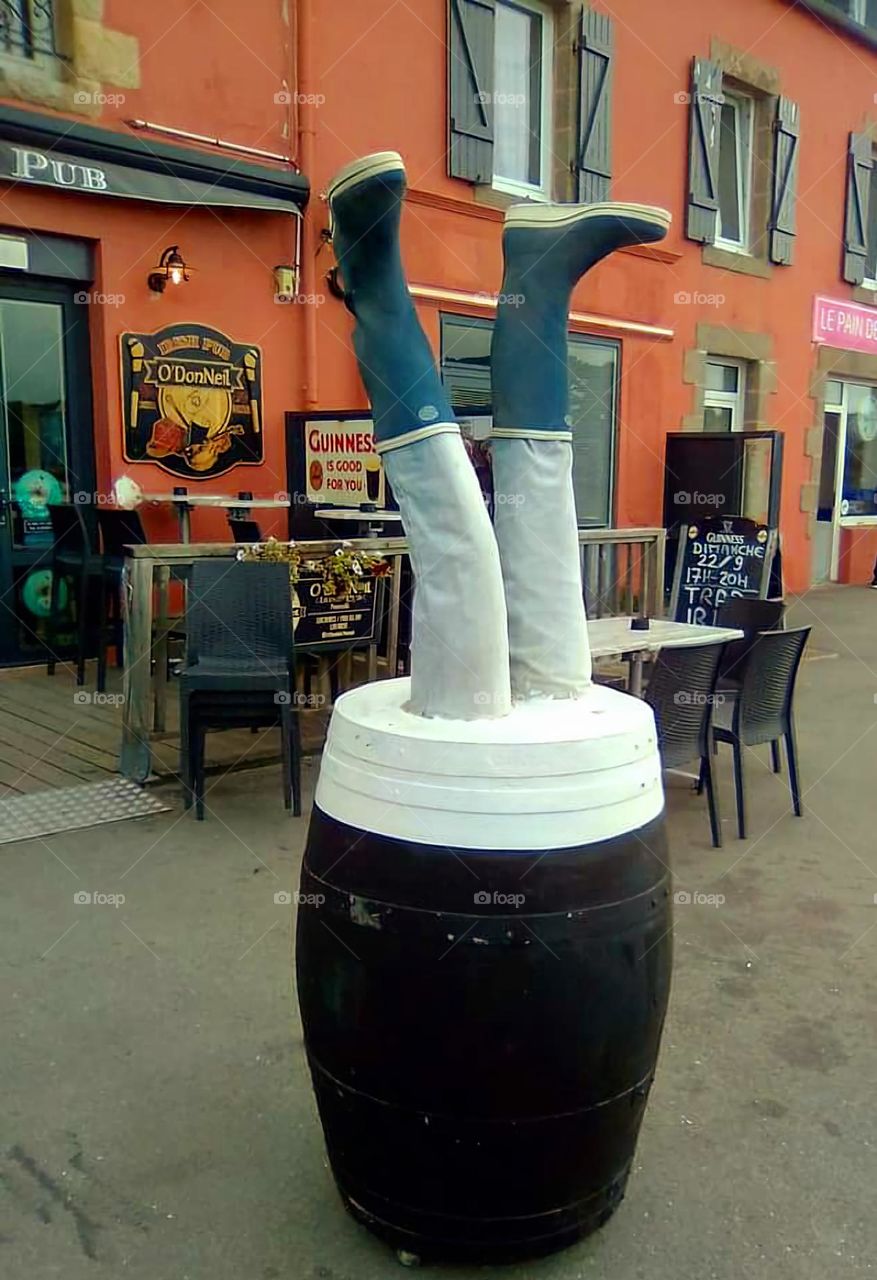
321, 621
720, 558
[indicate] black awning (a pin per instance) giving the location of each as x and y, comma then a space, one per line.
51, 152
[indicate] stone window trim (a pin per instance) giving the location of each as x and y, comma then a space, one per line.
760, 82
754, 349
95, 57
831, 362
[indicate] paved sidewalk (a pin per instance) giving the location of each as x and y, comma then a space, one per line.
158, 1120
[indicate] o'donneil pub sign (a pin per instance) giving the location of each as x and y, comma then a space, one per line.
191, 400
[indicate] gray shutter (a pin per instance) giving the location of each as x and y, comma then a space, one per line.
470, 89
593, 160
785, 182
703, 150
860, 162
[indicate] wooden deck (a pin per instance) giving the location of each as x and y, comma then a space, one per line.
55, 735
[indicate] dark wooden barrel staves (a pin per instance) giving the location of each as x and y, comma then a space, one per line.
482, 1029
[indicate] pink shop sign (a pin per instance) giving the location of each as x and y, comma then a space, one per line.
845, 324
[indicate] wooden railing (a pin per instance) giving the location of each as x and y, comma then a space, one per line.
622, 573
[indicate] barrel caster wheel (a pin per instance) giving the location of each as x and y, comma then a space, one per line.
406, 1259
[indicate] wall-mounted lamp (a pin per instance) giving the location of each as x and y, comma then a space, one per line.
285, 282
171, 269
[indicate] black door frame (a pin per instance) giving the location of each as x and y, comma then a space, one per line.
79, 434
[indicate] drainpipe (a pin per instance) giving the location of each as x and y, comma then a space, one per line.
305, 149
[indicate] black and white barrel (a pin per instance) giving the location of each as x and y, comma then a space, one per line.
483, 966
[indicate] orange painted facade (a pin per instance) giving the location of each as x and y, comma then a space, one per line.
325, 83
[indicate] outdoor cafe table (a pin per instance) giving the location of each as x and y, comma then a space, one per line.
148, 570
185, 502
613, 638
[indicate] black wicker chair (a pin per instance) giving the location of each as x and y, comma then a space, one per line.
749, 615
244, 530
762, 711
680, 693
117, 530
239, 666
74, 559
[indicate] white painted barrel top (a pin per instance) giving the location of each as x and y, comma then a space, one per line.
553, 774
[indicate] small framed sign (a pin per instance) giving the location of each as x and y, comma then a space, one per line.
342, 468
322, 621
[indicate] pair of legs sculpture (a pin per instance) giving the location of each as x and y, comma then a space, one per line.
499, 614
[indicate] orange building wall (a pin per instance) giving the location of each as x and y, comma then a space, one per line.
377, 73
382, 72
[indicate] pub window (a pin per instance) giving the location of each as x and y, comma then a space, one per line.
735, 172
27, 27
724, 395
593, 385
522, 98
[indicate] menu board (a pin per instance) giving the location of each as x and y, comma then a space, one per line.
720, 558
321, 621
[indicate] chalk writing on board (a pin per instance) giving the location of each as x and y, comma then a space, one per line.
720, 558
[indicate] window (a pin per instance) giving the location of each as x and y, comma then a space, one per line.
593, 383
863, 11
735, 172
522, 98
859, 482
27, 27
724, 397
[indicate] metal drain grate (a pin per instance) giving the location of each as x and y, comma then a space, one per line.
47, 813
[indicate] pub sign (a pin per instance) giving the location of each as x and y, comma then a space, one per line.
191, 400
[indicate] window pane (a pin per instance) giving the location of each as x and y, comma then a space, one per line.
729, 175
871, 266
717, 419
466, 364
860, 461
833, 392
593, 369
592, 383
828, 465
517, 112
34, 403
721, 377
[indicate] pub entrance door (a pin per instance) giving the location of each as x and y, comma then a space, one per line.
46, 447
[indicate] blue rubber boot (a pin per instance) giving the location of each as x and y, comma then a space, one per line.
395, 358
459, 650
547, 249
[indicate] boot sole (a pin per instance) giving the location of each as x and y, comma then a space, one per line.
366, 167
549, 216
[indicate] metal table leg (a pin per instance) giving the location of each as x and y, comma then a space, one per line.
162, 626
136, 759
635, 684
